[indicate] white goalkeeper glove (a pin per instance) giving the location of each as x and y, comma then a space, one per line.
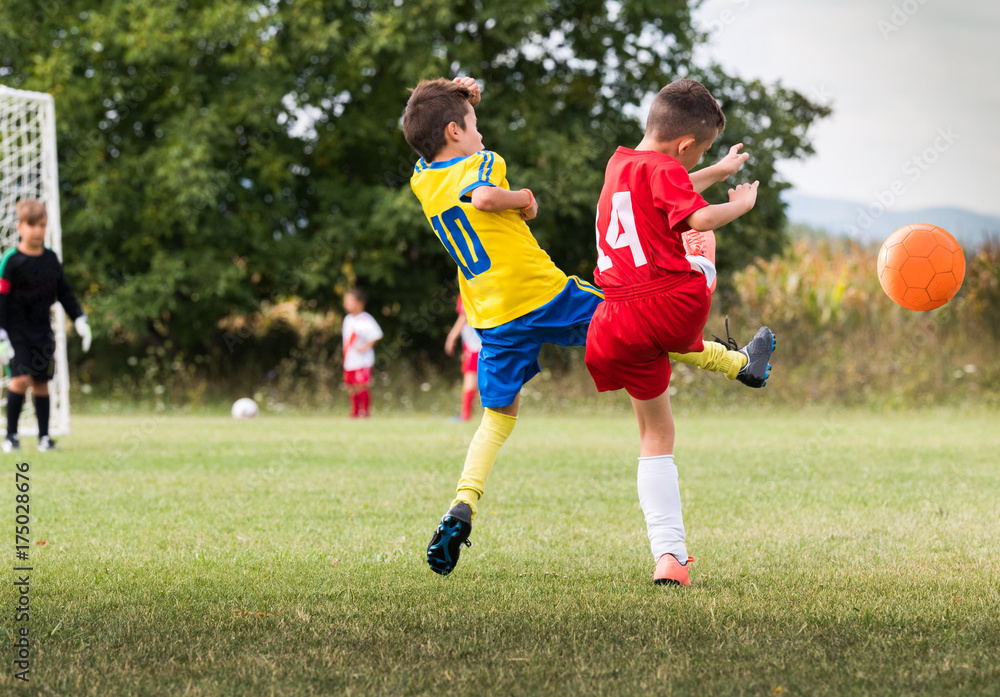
6, 350
83, 329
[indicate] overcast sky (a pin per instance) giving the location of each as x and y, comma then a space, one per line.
915, 88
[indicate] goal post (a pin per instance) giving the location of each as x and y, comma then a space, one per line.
29, 170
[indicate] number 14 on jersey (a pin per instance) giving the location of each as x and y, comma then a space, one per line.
621, 232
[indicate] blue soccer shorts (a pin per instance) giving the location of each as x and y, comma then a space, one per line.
509, 357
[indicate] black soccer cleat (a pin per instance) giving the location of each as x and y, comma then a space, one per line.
758, 352
446, 544
10, 443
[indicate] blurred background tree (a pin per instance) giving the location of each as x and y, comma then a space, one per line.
219, 158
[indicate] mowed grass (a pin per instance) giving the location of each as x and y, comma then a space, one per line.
837, 554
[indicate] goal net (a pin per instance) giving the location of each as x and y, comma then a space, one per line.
28, 169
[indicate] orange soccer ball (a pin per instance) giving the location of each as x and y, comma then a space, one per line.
921, 266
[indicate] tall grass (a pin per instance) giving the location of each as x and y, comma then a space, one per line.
845, 342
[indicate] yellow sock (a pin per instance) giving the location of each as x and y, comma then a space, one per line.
492, 432
716, 358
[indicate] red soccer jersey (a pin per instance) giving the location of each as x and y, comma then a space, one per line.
640, 218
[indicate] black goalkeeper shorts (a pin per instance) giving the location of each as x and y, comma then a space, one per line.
34, 356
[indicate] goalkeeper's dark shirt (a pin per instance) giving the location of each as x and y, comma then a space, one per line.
29, 286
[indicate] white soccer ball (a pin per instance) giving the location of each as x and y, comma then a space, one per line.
245, 408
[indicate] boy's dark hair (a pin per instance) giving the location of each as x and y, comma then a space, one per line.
685, 107
433, 104
31, 212
359, 295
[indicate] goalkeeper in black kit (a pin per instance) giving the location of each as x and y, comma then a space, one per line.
31, 280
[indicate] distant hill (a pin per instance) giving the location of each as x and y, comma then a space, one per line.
855, 220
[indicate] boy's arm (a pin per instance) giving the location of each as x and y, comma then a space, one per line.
370, 331
493, 199
6, 287
73, 309
456, 330
361, 348
741, 200
721, 170
4, 302
470, 83
67, 299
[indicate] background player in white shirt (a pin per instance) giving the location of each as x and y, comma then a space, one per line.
361, 332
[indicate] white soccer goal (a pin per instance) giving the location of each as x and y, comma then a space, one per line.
28, 169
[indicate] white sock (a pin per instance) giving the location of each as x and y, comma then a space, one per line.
660, 498
707, 268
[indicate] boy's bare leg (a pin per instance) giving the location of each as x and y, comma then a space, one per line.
659, 491
469, 388
656, 425
352, 393
364, 400
21, 383
469, 381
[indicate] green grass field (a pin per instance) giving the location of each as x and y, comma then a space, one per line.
837, 554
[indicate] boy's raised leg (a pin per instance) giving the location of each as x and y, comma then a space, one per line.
715, 358
758, 356
750, 364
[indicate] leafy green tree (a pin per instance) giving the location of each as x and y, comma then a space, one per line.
217, 155
183, 195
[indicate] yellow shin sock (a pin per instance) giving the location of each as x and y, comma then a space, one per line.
716, 358
492, 432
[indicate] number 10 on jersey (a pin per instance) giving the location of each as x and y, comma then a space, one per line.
463, 244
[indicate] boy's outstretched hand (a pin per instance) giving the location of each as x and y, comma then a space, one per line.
731, 163
473, 87
721, 170
745, 194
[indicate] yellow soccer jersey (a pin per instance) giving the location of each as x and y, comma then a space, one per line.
503, 273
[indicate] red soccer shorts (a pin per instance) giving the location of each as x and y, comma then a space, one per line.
361, 376
470, 360
635, 328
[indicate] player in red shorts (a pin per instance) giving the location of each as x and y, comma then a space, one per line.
471, 344
657, 296
361, 333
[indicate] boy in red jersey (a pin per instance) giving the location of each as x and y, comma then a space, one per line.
657, 297
514, 297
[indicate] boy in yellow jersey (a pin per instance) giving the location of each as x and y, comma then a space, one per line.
515, 297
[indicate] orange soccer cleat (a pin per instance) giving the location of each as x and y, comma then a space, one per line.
700, 244
670, 572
